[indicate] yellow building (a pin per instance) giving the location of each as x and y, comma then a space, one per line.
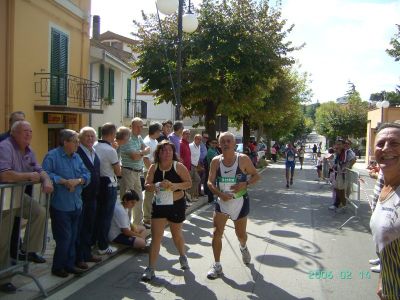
44, 67
376, 117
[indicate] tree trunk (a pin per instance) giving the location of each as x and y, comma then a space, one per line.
210, 118
246, 131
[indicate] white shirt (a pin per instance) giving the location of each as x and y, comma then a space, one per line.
194, 153
120, 220
108, 158
90, 154
152, 143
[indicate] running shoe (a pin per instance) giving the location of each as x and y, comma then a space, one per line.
148, 274
109, 250
184, 262
375, 261
332, 207
215, 272
246, 257
376, 269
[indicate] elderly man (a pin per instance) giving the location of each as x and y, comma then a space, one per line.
110, 168
132, 154
18, 164
228, 180
69, 176
151, 141
87, 138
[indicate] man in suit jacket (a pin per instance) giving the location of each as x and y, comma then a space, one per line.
87, 138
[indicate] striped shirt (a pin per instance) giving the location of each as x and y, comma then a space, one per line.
385, 228
134, 144
377, 190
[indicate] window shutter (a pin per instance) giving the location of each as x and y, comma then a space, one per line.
111, 84
101, 81
128, 95
58, 67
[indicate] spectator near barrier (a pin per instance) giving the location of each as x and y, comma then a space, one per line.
132, 154
70, 176
18, 164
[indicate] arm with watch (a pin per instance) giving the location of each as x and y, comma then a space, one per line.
248, 168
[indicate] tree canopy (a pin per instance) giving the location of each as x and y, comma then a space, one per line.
231, 65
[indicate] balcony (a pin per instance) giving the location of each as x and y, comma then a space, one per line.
66, 93
135, 108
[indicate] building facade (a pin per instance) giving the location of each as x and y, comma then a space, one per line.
44, 67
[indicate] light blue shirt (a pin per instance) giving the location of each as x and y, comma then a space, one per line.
59, 165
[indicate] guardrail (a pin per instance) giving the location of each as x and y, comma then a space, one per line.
353, 198
13, 203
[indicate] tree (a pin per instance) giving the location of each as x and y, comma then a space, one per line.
395, 43
393, 97
228, 64
349, 120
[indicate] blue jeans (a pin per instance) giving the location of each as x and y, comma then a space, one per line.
86, 230
64, 225
106, 199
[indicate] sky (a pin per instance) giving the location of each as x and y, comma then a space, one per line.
345, 40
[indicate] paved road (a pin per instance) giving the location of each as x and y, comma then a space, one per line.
292, 237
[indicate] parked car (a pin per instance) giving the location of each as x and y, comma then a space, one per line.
239, 148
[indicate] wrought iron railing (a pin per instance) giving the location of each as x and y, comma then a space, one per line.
68, 90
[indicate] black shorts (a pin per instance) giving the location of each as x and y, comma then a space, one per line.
174, 213
319, 168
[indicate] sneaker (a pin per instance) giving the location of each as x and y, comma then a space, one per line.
376, 269
148, 274
375, 261
215, 272
332, 207
184, 262
341, 209
246, 257
109, 250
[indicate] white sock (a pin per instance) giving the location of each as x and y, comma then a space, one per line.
243, 247
218, 264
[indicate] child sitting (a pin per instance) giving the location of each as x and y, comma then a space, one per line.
121, 231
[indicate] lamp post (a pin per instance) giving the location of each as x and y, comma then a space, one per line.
186, 23
382, 104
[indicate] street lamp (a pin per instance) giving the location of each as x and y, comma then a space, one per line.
382, 104
186, 23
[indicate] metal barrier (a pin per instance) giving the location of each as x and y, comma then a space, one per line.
352, 193
15, 202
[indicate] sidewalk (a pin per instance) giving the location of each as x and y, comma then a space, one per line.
297, 251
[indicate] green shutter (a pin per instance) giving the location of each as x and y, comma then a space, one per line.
128, 89
111, 85
58, 67
128, 95
101, 79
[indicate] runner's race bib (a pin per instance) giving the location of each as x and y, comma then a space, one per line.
164, 197
225, 185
